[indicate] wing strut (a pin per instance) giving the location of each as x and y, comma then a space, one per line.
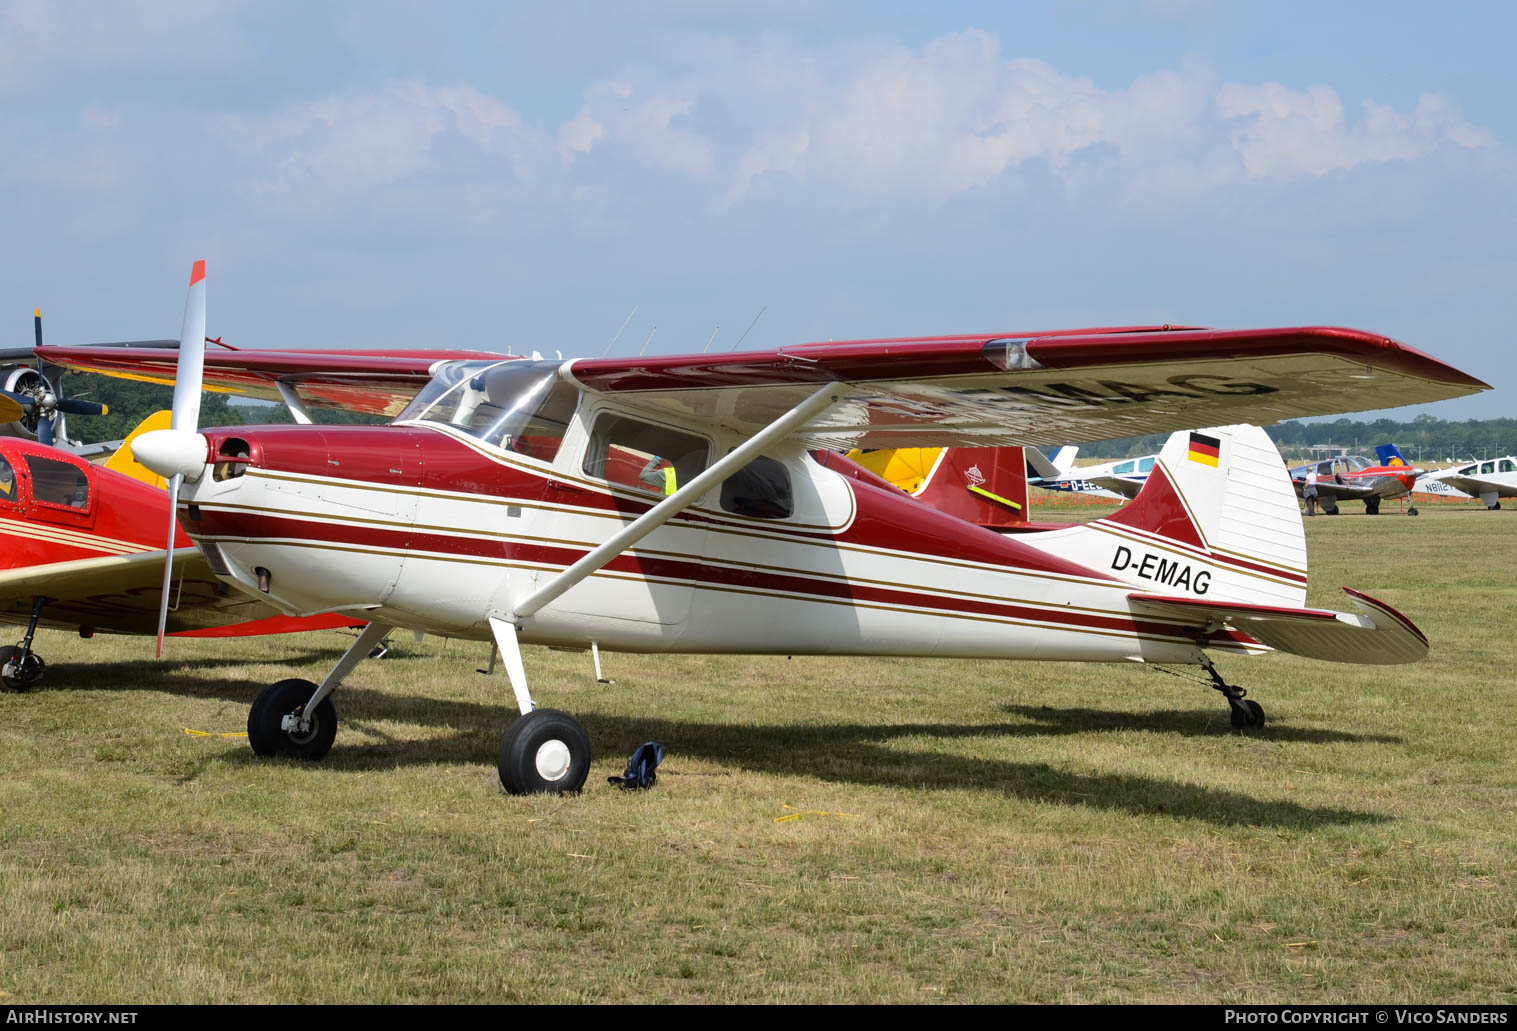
683, 498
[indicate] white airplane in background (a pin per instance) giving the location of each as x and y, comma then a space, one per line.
510, 501
1490, 480
1121, 479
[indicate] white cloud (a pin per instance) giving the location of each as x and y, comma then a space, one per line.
1306, 132
324, 155
578, 135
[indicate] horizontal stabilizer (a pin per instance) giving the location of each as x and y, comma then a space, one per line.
1376, 635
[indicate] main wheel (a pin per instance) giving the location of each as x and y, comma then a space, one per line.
266, 732
544, 752
1412, 511
29, 670
1371, 506
1253, 720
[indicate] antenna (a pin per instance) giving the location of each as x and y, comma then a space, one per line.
645, 342
619, 331
751, 325
712, 337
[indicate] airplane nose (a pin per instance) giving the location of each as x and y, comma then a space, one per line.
172, 453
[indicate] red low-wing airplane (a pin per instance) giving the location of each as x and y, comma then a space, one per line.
671, 504
83, 548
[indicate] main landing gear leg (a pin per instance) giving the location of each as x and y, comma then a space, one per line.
1246, 715
295, 718
545, 751
20, 667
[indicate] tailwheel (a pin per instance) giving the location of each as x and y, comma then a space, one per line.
279, 725
1248, 715
544, 752
20, 668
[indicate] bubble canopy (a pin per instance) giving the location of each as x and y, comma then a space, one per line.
519, 404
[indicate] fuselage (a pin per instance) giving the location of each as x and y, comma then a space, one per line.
425, 525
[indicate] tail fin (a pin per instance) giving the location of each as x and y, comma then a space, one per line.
985, 486
1064, 459
1389, 454
1217, 519
123, 461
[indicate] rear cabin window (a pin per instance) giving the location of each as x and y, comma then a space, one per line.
1125, 467
1146, 466
645, 457
760, 489
1506, 466
58, 483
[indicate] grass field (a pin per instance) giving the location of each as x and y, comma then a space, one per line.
960, 831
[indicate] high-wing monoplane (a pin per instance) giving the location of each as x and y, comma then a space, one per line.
517, 500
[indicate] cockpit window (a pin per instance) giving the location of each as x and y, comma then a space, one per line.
58, 483
7, 481
521, 406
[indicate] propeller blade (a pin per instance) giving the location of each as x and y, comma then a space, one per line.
10, 409
44, 430
191, 369
188, 377
77, 407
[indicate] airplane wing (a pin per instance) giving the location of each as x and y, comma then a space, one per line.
1339, 491
1376, 635
1470, 486
376, 382
120, 594
1117, 485
1039, 389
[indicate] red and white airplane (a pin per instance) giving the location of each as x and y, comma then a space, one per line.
671, 504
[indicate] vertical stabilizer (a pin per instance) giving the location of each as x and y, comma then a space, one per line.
1217, 519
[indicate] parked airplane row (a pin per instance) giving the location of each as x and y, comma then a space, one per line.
678, 504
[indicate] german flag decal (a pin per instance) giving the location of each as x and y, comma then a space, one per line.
1204, 449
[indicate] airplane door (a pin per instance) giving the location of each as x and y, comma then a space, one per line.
627, 467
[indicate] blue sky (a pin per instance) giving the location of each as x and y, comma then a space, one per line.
486, 175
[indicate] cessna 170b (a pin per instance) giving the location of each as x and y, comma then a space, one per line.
517, 500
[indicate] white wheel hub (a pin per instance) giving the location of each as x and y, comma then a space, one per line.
553, 760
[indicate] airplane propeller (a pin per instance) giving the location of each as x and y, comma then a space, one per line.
43, 407
179, 452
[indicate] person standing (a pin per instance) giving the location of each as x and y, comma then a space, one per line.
1309, 491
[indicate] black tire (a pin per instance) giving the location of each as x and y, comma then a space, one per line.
1371, 506
544, 752
1493, 508
31, 671
1253, 720
280, 700
1413, 511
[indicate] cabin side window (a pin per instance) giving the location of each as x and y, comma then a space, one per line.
1146, 465
8, 488
645, 457
1507, 466
761, 490
58, 483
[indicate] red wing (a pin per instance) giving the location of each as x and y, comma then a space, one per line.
1042, 388
120, 594
376, 382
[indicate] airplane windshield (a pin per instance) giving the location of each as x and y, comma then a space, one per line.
1355, 463
519, 405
